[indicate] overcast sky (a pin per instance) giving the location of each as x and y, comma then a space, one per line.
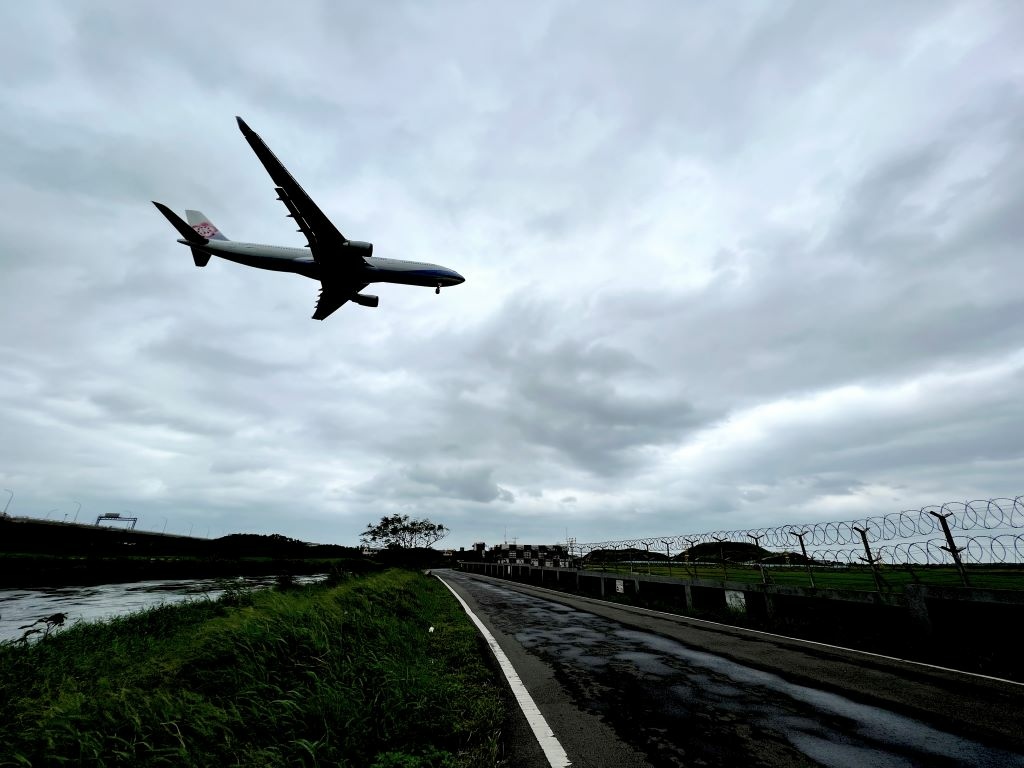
727, 264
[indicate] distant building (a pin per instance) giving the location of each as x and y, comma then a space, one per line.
537, 555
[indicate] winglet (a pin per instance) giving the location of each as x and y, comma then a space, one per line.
189, 234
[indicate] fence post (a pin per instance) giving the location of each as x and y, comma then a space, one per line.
686, 558
869, 559
917, 607
760, 565
803, 549
953, 549
721, 554
668, 555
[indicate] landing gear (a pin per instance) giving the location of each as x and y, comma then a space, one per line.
438, 289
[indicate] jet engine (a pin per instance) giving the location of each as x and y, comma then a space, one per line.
363, 249
365, 299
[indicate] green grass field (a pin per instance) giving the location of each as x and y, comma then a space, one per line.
854, 577
345, 675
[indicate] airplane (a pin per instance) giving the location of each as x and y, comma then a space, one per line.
344, 267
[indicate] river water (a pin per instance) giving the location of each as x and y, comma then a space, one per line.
19, 607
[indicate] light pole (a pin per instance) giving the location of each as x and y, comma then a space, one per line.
50, 513
77, 511
165, 526
8, 499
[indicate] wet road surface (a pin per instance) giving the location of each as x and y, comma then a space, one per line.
666, 703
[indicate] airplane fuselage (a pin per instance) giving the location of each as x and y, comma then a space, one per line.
298, 260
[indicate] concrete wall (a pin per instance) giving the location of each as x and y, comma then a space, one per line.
950, 621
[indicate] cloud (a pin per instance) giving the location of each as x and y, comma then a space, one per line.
722, 270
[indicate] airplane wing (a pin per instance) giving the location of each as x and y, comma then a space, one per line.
324, 240
332, 298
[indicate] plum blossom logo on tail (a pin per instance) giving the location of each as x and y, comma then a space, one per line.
205, 229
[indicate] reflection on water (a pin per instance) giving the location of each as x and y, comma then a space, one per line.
24, 606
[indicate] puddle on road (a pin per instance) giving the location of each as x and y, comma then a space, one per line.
684, 705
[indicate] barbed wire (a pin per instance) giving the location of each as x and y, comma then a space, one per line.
974, 550
842, 542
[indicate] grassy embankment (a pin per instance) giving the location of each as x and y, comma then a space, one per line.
853, 577
345, 675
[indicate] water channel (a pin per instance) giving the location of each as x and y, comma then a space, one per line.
19, 607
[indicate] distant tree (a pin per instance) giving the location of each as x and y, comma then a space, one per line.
403, 531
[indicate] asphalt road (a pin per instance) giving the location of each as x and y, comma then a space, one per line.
620, 686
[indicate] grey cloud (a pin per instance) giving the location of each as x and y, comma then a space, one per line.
125, 407
236, 465
667, 221
472, 484
457, 481
833, 484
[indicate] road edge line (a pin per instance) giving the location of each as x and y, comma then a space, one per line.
552, 748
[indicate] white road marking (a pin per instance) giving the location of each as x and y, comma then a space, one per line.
683, 618
545, 736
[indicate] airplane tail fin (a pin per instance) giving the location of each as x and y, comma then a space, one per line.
189, 235
203, 225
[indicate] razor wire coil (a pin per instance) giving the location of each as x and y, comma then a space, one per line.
905, 537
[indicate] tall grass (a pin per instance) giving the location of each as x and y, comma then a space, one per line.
347, 675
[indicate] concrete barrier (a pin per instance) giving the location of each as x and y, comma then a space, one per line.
918, 621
